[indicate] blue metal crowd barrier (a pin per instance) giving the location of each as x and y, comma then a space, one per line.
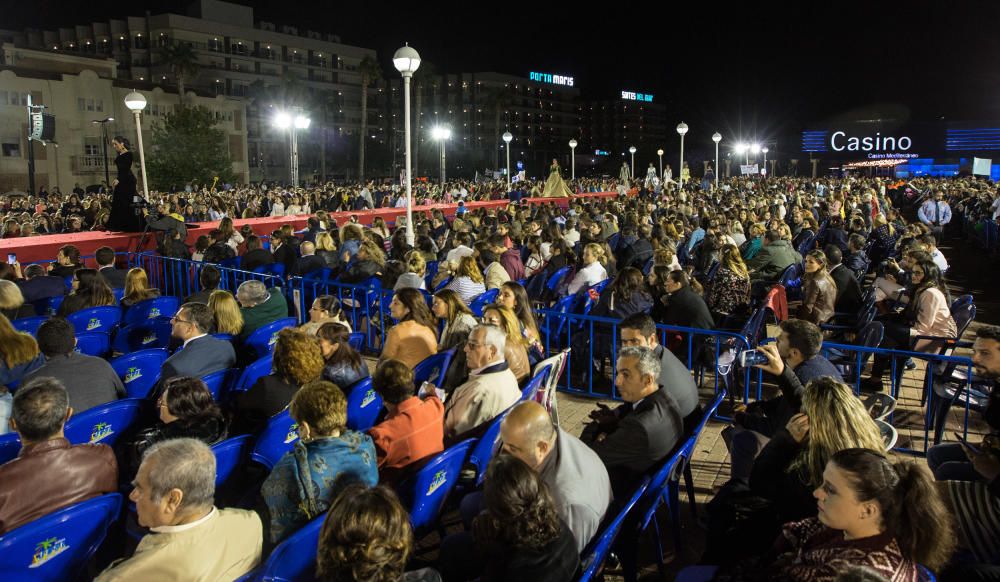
180, 277
365, 305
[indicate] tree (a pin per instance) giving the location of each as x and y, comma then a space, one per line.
188, 147
182, 61
371, 72
499, 99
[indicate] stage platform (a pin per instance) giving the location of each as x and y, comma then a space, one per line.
44, 248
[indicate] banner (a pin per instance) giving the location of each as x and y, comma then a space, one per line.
749, 169
981, 166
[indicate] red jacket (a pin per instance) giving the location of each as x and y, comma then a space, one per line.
511, 261
413, 432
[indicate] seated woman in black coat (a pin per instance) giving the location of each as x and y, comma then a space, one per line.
89, 290
186, 410
625, 295
685, 305
297, 360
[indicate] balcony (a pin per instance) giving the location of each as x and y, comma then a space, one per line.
87, 164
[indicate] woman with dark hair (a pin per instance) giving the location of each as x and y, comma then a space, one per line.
928, 313
519, 535
415, 336
89, 290
229, 234
124, 212
325, 309
186, 410
819, 291
367, 536
327, 458
458, 319
729, 291
514, 296
344, 365
624, 296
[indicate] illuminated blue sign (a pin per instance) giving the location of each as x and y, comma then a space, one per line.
633, 96
551, 79
601, 153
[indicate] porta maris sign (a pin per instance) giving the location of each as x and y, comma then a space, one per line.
551, 79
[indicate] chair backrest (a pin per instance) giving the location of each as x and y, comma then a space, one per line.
319, 275
262, 340
49, 305
889, 434
294, 560
277, 438
166, 306
363, 405
485, 448
29, 324
216, 381
277, 269
433, 368
59, 545
484, 299
557, 365
553, 283
356, 340
147, 334
10, 446
102, 319
252, 373
94, 343
103, 424
963, 316
140, 370
425, 493
533, 386
960, 301
229, 454
870, 336
597, 550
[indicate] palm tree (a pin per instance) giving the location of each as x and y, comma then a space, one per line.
500, 99
371, 72
182, 61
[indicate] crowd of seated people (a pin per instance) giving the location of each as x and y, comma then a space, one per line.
809, 467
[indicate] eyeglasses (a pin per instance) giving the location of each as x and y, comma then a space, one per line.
178, 320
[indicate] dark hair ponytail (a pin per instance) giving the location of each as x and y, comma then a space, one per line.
912, 509
121, 140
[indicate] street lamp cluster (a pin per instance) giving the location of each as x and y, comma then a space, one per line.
292, 122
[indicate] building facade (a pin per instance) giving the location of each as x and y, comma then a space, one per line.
612, 126
80, 91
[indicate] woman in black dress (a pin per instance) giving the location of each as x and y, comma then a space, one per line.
123, 213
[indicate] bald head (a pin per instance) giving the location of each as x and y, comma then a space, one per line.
307, 248
528, 434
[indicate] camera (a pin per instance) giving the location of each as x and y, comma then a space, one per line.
752, 358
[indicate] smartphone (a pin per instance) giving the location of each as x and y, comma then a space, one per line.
11, 258
966, 443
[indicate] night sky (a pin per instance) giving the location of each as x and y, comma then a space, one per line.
757, 72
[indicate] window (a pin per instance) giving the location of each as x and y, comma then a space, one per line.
92, 146
81, 103
141, 42
215, 44
10, 149
123, 43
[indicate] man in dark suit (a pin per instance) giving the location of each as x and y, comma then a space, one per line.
106, 267
848, 298
313, 228
639, 251
201, 354
308, 262
633, 438
38, 285
255, 256
208, 278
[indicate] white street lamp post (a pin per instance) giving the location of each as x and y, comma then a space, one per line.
716, 137
572, 158
632, 151
136, 103
659, 153
507, 138
682, 128
743, 149
441, 134
765, 150
283, 120
407, 61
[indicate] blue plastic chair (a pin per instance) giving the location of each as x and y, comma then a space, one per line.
597, 550
444, 283
482, 301
216, 382
10, 446
230, 454
48, 306
277, 439
140, 370
103, 424
58, 546
277, 269
151, 309
29, 324
102, 319
363, 405
356, 340
252, 373
486, 447
433, 368
425, 493
148, 334
226, 337
556, 278
119, 295
262, 340
294, 560
94, 343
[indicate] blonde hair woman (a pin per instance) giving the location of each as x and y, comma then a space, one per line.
226, 312
593, 271
326, 249
137, 288
416, 268
468, 281
516, 348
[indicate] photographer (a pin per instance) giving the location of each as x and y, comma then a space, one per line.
794, 360
165, 220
